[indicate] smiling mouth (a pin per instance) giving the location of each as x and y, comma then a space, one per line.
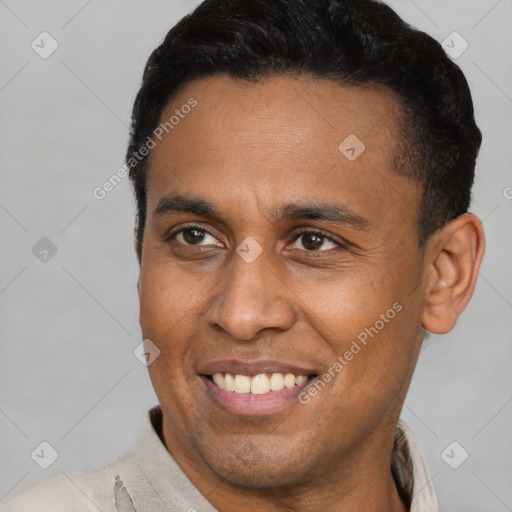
259, 384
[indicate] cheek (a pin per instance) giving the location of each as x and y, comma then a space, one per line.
168, 297
339, 309
168, 319
371, 320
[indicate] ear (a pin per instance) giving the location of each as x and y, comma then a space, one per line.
454, 255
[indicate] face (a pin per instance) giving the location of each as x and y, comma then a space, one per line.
272, 259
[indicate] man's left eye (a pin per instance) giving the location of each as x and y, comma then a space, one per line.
311, 241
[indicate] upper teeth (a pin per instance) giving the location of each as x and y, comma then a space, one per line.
258, 384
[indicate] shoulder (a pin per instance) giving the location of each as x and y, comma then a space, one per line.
53, 495
87, 491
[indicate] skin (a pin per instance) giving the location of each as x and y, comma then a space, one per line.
248, 148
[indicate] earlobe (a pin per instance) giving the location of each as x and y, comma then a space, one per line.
455, 253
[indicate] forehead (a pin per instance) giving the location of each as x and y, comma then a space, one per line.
285, 135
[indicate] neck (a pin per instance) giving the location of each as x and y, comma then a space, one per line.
362, 482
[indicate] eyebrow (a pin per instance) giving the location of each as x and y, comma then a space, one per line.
331, 212
169, 205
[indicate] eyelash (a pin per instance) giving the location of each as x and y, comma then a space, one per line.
298, 235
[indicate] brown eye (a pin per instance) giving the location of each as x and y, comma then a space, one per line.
195, 236
312, 241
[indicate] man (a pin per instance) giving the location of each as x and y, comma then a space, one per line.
302, 170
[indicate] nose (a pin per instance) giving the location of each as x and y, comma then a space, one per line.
250, 298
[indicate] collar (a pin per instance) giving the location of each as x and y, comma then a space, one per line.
411, 472
173, 486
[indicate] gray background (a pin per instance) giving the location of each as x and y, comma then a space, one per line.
69, 325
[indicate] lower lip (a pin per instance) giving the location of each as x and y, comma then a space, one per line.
254, 405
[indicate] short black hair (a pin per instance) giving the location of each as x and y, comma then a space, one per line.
353, 42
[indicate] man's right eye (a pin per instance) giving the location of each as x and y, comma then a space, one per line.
194, 236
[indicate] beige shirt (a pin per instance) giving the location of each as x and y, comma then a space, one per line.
148, 479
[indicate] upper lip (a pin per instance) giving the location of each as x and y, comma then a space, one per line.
250, 368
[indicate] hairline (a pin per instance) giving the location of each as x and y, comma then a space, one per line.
402, 119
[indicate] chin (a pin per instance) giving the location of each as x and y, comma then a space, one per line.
251, 467
258, 477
